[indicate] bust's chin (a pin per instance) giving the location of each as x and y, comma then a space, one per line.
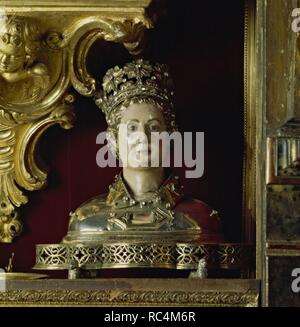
143, 163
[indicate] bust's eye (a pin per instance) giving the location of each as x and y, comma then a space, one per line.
131, 127
154, 127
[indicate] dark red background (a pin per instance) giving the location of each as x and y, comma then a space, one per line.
203, 45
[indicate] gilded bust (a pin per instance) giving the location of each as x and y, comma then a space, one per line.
145, 203
23, 80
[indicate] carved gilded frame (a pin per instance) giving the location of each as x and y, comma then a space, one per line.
41, 93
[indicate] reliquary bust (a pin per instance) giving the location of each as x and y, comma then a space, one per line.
144, 203
145, 219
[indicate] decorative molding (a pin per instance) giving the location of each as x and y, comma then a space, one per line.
250, 118
88, 5
62, 297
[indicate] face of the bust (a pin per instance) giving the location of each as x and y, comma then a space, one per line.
138, 122
12, 52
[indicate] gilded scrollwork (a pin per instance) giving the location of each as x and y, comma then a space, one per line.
18, 167
80, 36
40, 60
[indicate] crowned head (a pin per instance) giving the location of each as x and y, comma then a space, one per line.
136, 83
138, 98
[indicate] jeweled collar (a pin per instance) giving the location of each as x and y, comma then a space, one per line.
169, 193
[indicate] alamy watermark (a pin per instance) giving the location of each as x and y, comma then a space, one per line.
295, 286
155, 149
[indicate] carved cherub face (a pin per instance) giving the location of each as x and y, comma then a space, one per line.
12, 48
136, 147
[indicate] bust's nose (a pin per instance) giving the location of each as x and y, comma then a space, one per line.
145, 134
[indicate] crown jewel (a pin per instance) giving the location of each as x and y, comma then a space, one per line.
137, 79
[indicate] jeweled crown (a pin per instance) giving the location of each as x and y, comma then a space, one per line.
137, 79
